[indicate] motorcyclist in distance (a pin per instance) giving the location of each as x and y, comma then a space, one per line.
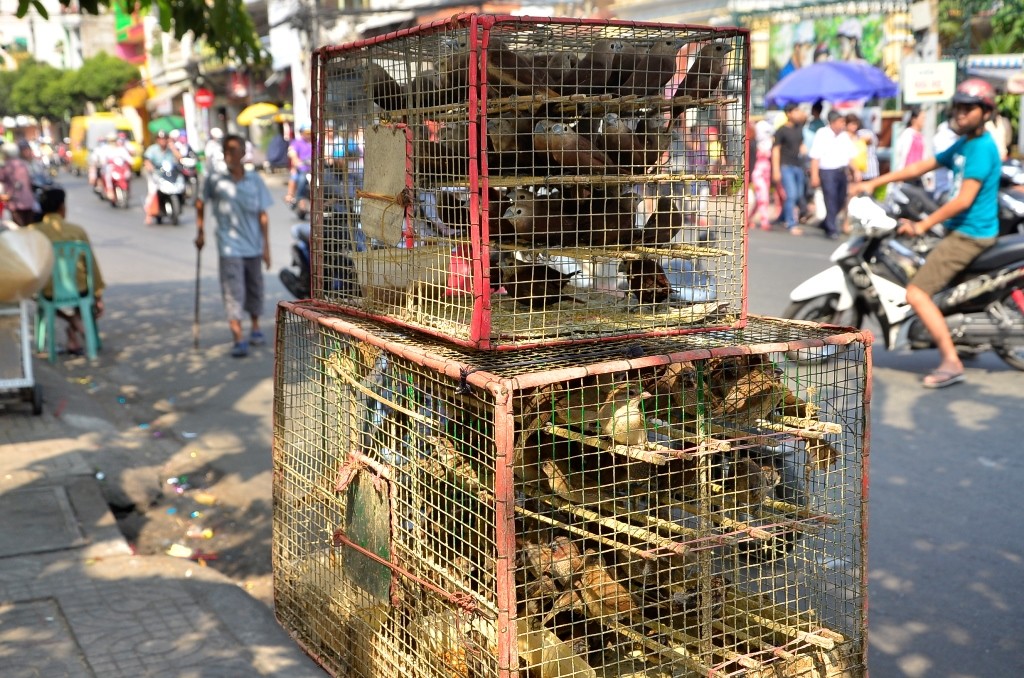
971, 216
155, 156
115, 148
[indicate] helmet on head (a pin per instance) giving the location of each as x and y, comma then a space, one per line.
977, 92
112, 137
161, 134
216, 133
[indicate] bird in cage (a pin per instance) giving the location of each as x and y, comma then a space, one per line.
597, 592
543, 219
591, 74
567, 486
656, 138
608, 220
750, 483
508, 71
534, 285
621, 415
704, 76
556, 66
653, 70
426, 89
617, 138
625, 58
572, 152
646, 281
664, 224
385, 91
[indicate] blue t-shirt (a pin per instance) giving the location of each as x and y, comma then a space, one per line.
976, 158
236, 205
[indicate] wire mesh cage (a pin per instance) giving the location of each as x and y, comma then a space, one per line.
679, 506
511, 181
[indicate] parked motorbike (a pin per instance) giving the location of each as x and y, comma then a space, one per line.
118, 181
1011, 198
297, 278
983, 305
170, 191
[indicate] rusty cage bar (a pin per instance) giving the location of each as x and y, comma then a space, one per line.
691, 505
505, 182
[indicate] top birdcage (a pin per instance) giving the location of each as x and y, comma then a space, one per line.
507, 182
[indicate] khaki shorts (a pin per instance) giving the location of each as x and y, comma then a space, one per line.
950, 256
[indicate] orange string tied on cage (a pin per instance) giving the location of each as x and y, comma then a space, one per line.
347, 472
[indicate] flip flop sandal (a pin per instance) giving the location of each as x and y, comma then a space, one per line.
942, 379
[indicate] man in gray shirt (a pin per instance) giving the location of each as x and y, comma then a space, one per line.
238, 200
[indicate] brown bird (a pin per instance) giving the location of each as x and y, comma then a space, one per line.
655, 134
749, 482
602, 595
609, 221
452, 210
664, 223
557, 473
542, 219
653, 70
534, 285
624, 62
704, 75
591, 74
618, 139
555, 65
646, 281
508, 69
569, 150
384, 89
425, 89
691, 598
621, 415
566, 560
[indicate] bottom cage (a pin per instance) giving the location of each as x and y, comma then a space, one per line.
688, 506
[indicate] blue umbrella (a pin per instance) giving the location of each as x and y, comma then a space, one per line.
831, 81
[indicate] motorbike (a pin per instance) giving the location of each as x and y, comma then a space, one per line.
170, 191
983, 306
297, 278
118, 181
302, 198
1011, 198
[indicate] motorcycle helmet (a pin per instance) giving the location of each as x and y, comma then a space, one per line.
975, 91
161, 134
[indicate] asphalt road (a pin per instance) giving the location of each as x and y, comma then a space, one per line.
946, 547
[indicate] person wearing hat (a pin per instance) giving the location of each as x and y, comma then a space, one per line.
156, 155
970, 216
16, 179
300, 153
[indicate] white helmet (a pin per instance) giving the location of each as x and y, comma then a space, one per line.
216, 133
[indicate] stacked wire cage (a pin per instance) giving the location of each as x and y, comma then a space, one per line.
676, 506
502, 181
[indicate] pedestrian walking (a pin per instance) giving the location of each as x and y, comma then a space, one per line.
238, 201
16, 181
787, 165
761, 176
832, 156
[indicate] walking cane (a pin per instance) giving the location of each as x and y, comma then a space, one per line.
195, 318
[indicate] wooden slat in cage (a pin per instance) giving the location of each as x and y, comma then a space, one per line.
585, 179
676, 506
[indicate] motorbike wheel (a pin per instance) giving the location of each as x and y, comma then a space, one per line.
120, 197
1012, 351
820, 310
174, 204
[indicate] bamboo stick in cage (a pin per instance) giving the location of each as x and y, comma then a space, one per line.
618, 526
703, 442
722, 521
652, 453
683, 638
780, 628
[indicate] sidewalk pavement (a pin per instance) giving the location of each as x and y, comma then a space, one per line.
75, 601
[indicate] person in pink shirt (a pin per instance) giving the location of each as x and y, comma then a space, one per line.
910, 143
16, 178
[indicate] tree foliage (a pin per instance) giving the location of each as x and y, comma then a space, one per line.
41, 90
224, 24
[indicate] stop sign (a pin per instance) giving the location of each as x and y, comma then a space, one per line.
204, 98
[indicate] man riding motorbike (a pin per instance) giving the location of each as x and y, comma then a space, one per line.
155, 156
971, 216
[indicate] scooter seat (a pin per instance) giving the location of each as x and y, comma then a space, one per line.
1007, 250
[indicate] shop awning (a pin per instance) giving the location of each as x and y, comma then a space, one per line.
164, 94
1004, 71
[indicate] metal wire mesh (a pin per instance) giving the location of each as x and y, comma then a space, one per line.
510, 181
689, 505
